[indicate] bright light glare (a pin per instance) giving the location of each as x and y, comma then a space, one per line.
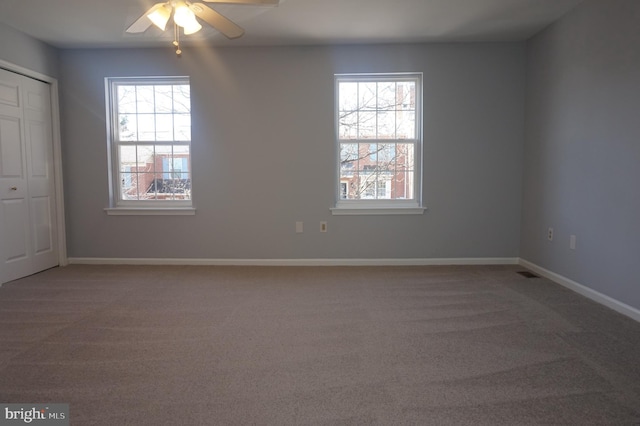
183, 16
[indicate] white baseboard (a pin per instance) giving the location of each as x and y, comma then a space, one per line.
295, 262
598, 297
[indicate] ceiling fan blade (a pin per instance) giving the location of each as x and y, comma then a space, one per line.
142, 23
216, 20
258, 2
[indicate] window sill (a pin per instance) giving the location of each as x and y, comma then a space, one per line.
362, 211
142, 211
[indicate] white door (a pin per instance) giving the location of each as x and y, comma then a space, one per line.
28, 238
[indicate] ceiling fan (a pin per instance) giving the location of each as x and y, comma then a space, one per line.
184, 16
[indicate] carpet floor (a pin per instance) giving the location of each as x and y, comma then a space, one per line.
177, 345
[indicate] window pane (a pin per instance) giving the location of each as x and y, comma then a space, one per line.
387, 95
127, 127
372, 155
367, 183
180, 188
406, 126
162, 187
182, 161
127, 99
164, 161
181, 98
367, 96
406, 93
348, 152
127, 157
179, 168
348, 160
366, 125
163, 99
182, 127
348, 96
348, 124
386, 155
146, 127
405, 158
181, 151
164, 127
402, 184
129, 186
144, 99
144, 159
164, 151
147, 186
386, 125
126, 182
344, 190
383, 186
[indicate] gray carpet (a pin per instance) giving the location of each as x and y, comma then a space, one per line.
169, 345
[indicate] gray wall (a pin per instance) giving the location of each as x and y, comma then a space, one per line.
264, 148
582, 154
27, 52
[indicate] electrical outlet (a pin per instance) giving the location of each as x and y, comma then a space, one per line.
323, 226
550, 234
299, 228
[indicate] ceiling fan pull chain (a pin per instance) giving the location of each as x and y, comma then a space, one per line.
176, 40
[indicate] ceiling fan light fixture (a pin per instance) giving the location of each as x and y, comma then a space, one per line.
160, 16
183, 16
192, 28
186, 14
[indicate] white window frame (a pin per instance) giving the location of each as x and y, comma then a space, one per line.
380, 207
117, 205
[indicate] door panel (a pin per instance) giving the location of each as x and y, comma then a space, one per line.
10, 146
9, 92
38, 140
35, 100
15, 212
41, 214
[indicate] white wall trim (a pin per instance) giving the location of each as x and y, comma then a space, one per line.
295, 262
594, 295
362, 211
167, 211
57, 151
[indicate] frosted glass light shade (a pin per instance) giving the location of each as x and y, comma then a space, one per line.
193, 27
182, 15
160, 16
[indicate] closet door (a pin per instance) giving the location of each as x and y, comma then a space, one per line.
27, 210
40, 176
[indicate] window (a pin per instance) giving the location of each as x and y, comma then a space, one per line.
379, 137
150, 138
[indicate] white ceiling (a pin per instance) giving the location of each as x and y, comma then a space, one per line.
102, 23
